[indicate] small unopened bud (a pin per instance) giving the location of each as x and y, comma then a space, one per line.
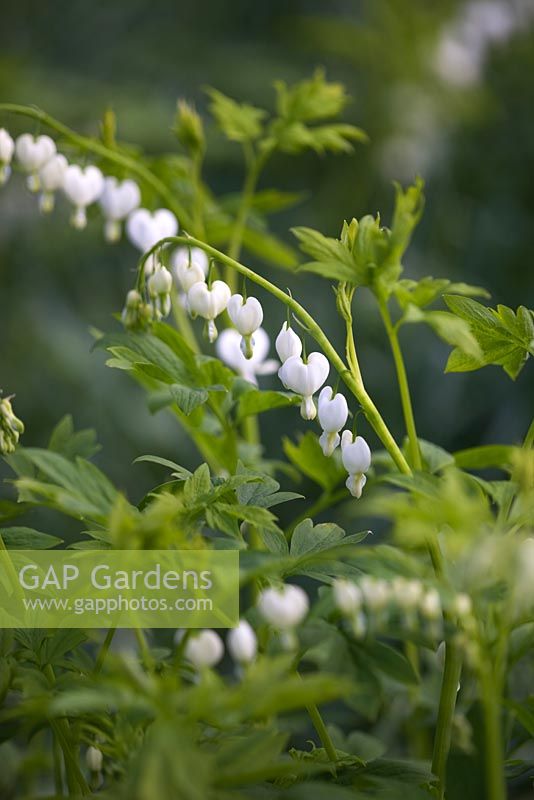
188, 128
10, 427
242, 643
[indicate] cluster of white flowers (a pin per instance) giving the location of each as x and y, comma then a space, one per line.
306, 377
370, 603
206, 648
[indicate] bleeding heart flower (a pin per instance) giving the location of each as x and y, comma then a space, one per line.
190, 266
247, 316
32, 154
356, 457
242, 643
82, 187
145, 229
333, 413
117, 201
7, 148
284, 608
287, 343
205, 649
51, 178
228, 349
209, 302
305, 378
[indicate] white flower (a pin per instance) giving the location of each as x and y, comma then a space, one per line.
82, 187
408, 593
94, 759
160, 282
205, 649
117, 201
284, 608
376, 592
242, 643
462, 605
356, 457
190, 266
144, 229
209, 302
7, 148
305, 379
287, 343
431, 604
247, 316
51, 178
32, 154
228, 349
333, 413
348, 597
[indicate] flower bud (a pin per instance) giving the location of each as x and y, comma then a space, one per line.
305, 379
136, 314
205, 649
117, 201
94, 759
284, 608
10, 427
160, 282
32, 154
82, 187
51, 178
347, 596
144, 229
287, 343
188, 128
7, 148
242, 643
333, 413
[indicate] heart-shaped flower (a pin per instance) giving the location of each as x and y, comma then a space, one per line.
190, 266
247, 316
51, 178
204, 649
242, 643
287, 343
284, 608
117, 201
145, 229
333, 412
208, 302
356, 457
305, 378
228, 349
82, 187
32, 154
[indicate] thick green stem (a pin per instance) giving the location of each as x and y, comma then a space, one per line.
404, 388
353, 383
116, 156
494, 757
447, 704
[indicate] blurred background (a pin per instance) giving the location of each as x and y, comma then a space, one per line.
443, 90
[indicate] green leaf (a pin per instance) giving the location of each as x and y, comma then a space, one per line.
270, 247
20, 538
308, 538
447, 326
239, 122
489, 455
198, 485
256, 402
435, 457
331, 258
310, 100
67, 442
180, 472
185, 397
390, 661
505, 338
309, 458
425, 291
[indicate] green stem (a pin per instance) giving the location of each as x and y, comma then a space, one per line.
102, 653
58, 776
494, 758
353, 382
198, 196
322, 732
447, 704
99, 149
402, 377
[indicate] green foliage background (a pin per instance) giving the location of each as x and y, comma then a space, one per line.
474, 147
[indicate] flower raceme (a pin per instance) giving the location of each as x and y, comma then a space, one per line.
7, 148
208, 302
190, 265
287, 343
228, 349
356, 457
333, 413
82, 187
51, 178
32, 154
247, 316
117, 201
305, 378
